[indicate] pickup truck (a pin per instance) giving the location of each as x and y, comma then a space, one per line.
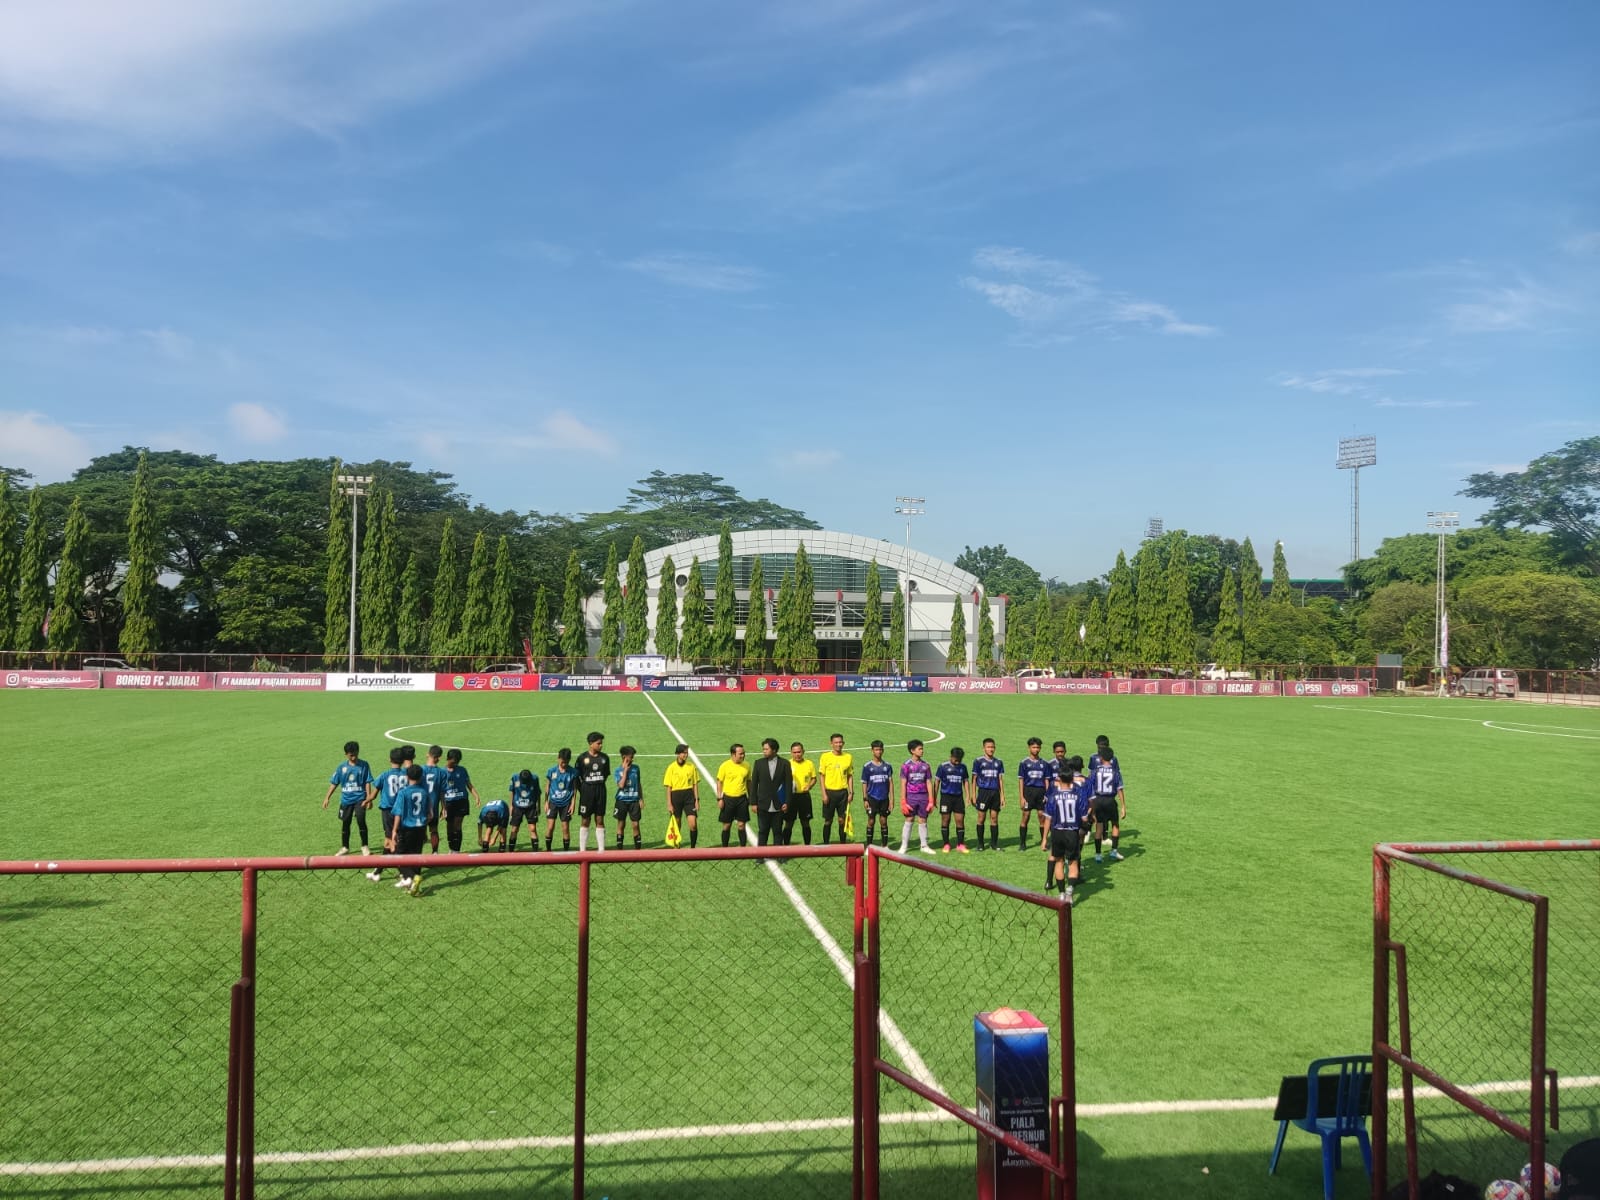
1218, 671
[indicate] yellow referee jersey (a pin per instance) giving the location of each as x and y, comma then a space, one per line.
734, 778
680, 776
804, 773
836, 769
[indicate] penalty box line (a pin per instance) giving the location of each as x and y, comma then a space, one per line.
630, 1137
917, 1068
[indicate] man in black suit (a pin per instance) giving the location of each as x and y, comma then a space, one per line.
771, 787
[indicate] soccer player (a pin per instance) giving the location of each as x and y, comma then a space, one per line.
492, 819
988, 786
1058, 763
433, 780
413, 806
560, 781
594, 772
1033, 776
804, 773
389, 785
733, 793
352, 779
524, 791
459, 795
1066, 812
1110, 803
876, 779
916, 796
682, 781
837, 768
630, 797
953, 786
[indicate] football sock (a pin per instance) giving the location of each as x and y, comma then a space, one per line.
512, 844
1050, 874
1115, 838
944, 831
724, 835
805, 832
694, 837
638, 843
1097, 847
583, 837
549, 840
599, 838
827, 832
566, 842
1022, 838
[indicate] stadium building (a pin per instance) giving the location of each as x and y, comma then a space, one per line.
838, 604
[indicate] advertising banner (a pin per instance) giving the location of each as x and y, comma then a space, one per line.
380, 683
476, 681
267, 681
1238, 687
51, 679
788, 684
1328, 687
644, 664
989, 687
880, 683
691, 683
157, 680
1063, 687
588, 683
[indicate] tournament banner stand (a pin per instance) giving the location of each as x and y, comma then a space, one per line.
1013, 1060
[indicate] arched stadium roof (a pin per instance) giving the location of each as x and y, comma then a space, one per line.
932, 574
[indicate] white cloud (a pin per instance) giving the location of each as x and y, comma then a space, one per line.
1387, 402
169, 343
253, 423
40, 446
562, 429
1340, 381
1144, 312
698, 271
1505, 309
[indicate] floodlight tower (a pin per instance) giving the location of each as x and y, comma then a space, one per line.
354, 486
1444, 522
1154, 528
908, 507
1355, 453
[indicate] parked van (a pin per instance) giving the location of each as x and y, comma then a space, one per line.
1488, 681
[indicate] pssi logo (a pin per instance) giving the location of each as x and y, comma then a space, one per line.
794, 685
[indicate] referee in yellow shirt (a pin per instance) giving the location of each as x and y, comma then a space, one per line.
838, 769
804, 773
733, 792
682, 782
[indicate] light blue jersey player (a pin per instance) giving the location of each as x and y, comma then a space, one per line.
389, 785
458, 797
433, 778
524, 793
352, 779
560, 782
628, 796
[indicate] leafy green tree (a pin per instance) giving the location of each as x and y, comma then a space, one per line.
874, 651
999, 571
1121, 627
783, 647
1559, 491
475, 611
803, 646
336, 574
1399, 619
1294, 636
724, 612
138, 640
411, 631
755, 622
1282, 591
8, 566
1227, 638
65, 637
261, 605
574, 633
897, 628
693, 642
1549, 622
1469, 554
1019, 637
379, 583
1096, 647
666, 632
636, 602
988, 666
611, 619
501, 639
1179, 617
539, 640
1150, 631
1250, 599
1044, 629
955, 658
444, 621
664, 509
1069, 648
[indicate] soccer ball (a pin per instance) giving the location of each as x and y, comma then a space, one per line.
1552, 1180
1505, 1189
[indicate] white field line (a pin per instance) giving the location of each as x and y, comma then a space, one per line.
917, 1069
1527, 727
629, 1137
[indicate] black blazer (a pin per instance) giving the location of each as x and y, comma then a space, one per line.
767, 788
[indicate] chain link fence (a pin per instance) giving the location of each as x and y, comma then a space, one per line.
1493, 979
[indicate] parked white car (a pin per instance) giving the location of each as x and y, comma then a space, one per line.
1037, 673
1218, 671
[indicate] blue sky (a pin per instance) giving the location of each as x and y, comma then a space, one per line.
1057, 268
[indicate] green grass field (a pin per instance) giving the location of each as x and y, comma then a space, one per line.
1229, 948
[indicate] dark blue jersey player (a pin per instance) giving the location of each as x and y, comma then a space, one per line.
1033, 776
877, 779
1066, 812
988, 792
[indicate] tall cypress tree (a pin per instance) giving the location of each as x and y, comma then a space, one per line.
539, 631
501, 636
475, 612
66, 610
987, 665
805, 634
9, 567
1044, 630
1069, 649
695, 635
1282, 591
666, 631
755, 622
446, 611
387, 610
636, 602
955, 657
1150, 629
1019, 639
783, 648
1251, 601
724, 616
369, 588
574, 635
872, 644
1096, 648
611, 619
897, 628
138, 639
1227, 639
411, 633
1179, 622
336, 575
1120, 608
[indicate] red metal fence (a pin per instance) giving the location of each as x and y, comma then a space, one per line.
1486, 1004
653, 1020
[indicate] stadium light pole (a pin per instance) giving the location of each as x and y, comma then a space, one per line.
1444, 522
354, 486
1355, 453
908, 507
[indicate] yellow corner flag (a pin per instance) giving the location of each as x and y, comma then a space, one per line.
674, 838
848, 825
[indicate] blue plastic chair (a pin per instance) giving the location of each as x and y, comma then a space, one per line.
1336, 1109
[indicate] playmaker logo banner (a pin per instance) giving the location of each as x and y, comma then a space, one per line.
380, 683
